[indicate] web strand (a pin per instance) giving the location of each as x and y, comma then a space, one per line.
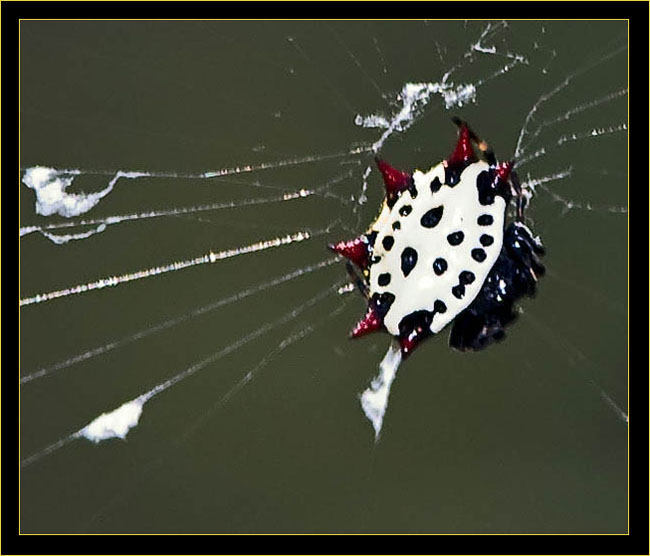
120, 421
169, 323
208, 258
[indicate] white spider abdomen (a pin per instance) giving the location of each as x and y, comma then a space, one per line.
435, 248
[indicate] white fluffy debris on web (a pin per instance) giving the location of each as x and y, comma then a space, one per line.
115, 424
413, 97
374, 399
50, 186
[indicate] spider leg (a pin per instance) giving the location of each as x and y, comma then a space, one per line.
358, 281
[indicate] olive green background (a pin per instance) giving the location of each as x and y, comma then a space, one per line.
515, 439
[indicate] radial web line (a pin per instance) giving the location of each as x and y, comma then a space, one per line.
292, 314
529, 186
117, 423
252, 374
169, 323
381, 56
229, 171
574, 354
532, 183
584, 205
584, 290
50, 449
479, 47
115, 219
319, 73
351, 55
476, 46
514, 57
571, 137
210, 257
181, 439
572, 112
563, 84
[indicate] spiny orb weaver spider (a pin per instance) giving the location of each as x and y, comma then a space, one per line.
441, 251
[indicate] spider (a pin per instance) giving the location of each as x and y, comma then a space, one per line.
442, 252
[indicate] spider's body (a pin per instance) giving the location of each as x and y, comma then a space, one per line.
440, 251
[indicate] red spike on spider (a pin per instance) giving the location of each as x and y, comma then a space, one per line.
503, 170
370, 323
408, 344
355, 250
464, 150
394, 180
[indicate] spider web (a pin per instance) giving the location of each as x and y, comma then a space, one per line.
207, 287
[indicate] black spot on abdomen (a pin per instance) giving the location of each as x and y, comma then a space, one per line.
432, 217
466, 277
384, 279
486, 190
478, 255
435, 185
439, 266
405, 210
486, 240
455, 238
409, 260
485, 220
388, 242
458, 291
